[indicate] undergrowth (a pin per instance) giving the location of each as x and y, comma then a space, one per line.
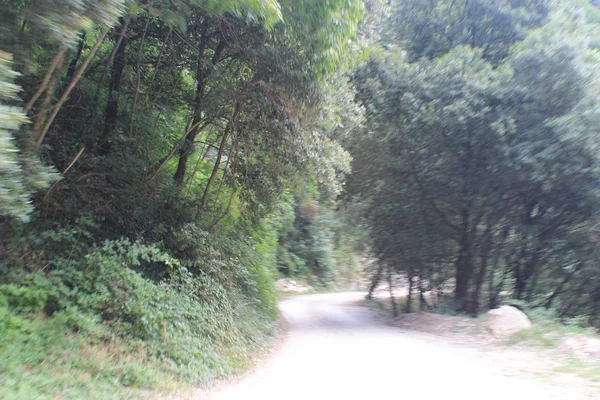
80, 320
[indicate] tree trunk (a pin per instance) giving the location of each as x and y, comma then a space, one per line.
73, 64
42, 113
491, 282
485, 252
57, 62
114, 88
596, 306
559, 289
524, 275
422, 301
375, 281
495, 295
233, 182
124, 25
203, 75
519, 282
391, 289
159, 166
532, 285
439, 290
215, 170
464, 265
498, 253
533, 273
408, 309
39, 136
138, 77
232, 155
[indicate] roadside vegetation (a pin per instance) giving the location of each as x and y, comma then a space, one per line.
161, 163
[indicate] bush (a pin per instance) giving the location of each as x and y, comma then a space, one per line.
198, 322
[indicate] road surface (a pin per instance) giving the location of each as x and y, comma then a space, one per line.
337, 350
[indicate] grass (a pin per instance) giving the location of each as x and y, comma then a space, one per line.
75, 354
47, 361
97, 326
585, 370
385, 307
43, 360
547, 334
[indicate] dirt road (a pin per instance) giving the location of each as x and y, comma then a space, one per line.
337, 350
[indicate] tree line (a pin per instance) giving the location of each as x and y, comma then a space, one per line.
477, 165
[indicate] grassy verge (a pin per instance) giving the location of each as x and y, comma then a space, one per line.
547, 334
48, 357
102, 330
43, 359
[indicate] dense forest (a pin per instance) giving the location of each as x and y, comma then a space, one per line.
484, 118
163, 161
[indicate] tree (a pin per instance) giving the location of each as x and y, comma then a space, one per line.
21, 172
476, 170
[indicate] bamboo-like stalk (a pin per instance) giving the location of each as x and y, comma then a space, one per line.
138, 78
109, 62
56, 63
65, 171
165, 160
39, 136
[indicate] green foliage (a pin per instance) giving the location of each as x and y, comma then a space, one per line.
484, 178
64, 20
268, 11
188, 323
317, 243
181, 127
492, 27
325, 28
23, 299
21, 173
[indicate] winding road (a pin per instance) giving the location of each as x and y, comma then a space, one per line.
335, 349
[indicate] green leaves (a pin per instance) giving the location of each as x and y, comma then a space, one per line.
325, 29
431, 29
21, 174
63, 20
484, 135
267, 12
262, 12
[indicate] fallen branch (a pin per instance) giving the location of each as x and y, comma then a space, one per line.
65, 171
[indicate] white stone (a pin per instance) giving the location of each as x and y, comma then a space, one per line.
506, 321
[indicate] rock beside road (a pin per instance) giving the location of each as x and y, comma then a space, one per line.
290, 286
507, 320
583, 347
